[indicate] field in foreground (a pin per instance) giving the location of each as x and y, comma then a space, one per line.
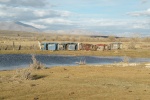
79, 83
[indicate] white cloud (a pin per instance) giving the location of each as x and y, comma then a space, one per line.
104, 22
138, 27
144, 1
40, 13
90, 22
3, 14
94, 24
113, 25
4, 1
145, 24
140, 13
29, 3
27, 14
58, 21
65, 13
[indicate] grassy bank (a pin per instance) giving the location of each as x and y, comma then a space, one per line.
130, 53
78, 83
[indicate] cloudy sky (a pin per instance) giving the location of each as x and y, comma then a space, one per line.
111, 17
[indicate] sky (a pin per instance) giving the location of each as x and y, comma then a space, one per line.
104, 17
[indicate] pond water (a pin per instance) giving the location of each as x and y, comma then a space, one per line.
13, 61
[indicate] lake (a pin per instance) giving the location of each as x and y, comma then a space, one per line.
14, 61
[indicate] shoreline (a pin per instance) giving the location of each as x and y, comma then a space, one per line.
130, 53
119, 64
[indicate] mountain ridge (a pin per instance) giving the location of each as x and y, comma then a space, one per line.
17, 26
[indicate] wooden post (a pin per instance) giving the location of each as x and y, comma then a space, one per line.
19, 47
6, 47
13, 45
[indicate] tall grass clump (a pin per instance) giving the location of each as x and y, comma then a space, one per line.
36, 64
125, 59
24, 74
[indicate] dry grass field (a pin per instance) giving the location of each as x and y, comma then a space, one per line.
31, 46
130, 53
78, 83
10, 40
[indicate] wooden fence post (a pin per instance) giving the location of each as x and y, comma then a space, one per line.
19, 47
13, 45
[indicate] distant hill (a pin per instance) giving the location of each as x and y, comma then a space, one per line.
73, 32
17, 26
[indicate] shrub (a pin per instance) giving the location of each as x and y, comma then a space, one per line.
23, 74
132, 45
125, 59
36, 64
111, 38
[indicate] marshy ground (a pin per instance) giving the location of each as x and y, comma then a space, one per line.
79, 83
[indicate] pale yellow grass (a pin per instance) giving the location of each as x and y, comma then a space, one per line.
79, 83
144, 53
22, 43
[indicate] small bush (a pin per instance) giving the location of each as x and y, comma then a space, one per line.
23, 74
36, 64
132, 45
111, 38
125, 59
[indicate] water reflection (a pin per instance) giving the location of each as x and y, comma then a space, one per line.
13, 61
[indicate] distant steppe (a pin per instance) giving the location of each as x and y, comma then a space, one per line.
29, 42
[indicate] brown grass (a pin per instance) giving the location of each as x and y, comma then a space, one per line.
130, 53
80, 83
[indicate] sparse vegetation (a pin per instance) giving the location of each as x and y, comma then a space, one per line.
129, 53
23, 74
126, 59
134, 41
80, 82
36, 64
132, 45
26, 73
111, 38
